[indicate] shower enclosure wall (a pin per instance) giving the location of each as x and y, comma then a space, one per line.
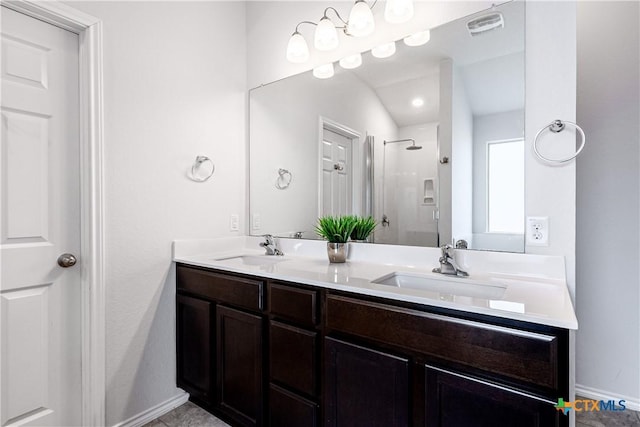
409, 188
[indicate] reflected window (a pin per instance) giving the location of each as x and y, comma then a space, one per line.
505, 186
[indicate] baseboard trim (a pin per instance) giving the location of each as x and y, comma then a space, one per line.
632, 403
157, 411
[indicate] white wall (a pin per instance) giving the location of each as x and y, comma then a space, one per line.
550, 81
608, 250
175, 88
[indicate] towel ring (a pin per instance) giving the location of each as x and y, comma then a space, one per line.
558, 126
197, 164
282, 182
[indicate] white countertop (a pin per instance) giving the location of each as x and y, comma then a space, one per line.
531, 288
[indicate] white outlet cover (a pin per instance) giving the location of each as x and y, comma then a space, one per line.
256, 222
538, 230
234, 222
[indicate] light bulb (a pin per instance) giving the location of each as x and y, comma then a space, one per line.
418, 39
398, 11
352, 61
361, 22
326, 36
297, 49
323, 71
417, 102
384, 50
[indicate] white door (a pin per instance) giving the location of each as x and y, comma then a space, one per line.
336, 173
40, 336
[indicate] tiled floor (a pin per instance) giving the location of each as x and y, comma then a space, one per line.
190, 415
625, 418
187, 415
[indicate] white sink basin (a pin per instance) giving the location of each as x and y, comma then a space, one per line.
254, 259
445, 285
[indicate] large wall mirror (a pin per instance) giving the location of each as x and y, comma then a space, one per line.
429, 141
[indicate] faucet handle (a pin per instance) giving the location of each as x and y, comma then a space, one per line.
446, 250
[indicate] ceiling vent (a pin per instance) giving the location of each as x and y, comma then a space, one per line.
485, 23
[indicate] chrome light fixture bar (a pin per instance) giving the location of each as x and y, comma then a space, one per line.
360, 24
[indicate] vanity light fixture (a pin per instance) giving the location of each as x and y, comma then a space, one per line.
323, 71
384, 50
398, 11
352, 61
418, 39
297, 49
360, 24
326, 35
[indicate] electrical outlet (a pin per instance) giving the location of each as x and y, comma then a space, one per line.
538, 230
256, 222
234, 222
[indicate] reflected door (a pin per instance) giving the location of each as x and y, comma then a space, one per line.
39, 300
336, 197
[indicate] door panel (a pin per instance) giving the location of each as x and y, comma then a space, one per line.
336, 173
40, 205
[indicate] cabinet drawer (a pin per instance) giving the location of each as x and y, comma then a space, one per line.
292, 356
289, 410
232, 290
526, 356
291, 303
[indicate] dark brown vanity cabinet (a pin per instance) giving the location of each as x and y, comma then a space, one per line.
294, 355
261, 352
220, 332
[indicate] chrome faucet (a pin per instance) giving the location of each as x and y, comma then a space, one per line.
270, 246
447, 264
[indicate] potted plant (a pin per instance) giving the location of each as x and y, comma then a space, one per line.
336, 230
364, 227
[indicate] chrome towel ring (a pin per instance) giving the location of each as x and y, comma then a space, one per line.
201, 177
558, 126
284, 179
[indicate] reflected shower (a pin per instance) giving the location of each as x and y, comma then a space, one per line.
413, 145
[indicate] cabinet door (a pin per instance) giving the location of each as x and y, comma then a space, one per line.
290, 410
292, 357
194, 345
239, 352
364, 387
453, 400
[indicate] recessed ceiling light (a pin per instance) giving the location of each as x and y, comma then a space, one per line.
417, 102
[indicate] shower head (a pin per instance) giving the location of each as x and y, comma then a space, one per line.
412, 147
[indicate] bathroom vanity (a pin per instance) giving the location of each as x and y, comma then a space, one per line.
295, 341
